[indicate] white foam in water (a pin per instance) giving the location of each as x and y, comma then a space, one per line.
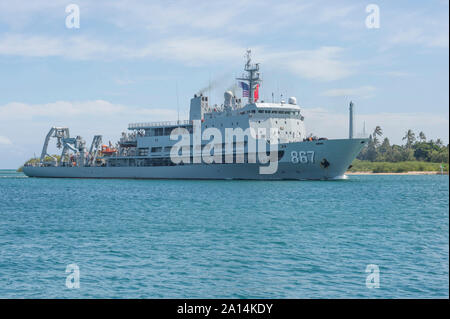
341, 177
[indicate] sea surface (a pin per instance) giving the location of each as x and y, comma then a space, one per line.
224, 239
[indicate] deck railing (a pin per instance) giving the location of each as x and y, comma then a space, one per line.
133, 126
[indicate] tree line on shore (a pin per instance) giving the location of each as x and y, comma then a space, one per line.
415, 148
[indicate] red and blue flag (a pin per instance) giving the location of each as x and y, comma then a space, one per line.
245, 89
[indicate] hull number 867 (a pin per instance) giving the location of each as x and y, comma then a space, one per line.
302, 157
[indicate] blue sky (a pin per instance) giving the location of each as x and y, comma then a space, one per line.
127, 59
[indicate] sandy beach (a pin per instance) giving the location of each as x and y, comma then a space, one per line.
403, 173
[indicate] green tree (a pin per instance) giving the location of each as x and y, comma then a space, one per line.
378, 131
422, 137
440, 156
397, 154
384, 150
408, 154
385, 146
439, 142
414, 149
410, 138
422, 151
371, 153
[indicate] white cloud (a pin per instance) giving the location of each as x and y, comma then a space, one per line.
323, 64
362, 92
164, 16
438, 40
65, 109
21, 45
220, 16
5, 141
193, 50
172, 17
418, 36
75, 47
398, 74
333, 13
17, 14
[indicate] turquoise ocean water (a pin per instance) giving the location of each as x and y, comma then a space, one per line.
224, 239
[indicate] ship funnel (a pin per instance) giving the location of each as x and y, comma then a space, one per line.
199, 106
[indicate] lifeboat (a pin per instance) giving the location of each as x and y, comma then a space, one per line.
106, 150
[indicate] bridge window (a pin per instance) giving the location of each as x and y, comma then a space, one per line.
143, 151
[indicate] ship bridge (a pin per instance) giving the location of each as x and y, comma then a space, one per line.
277, 106
271, 108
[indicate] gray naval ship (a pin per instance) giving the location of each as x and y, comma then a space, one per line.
255, 141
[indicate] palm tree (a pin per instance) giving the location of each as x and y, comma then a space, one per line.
377, 131
422, 136
410, 138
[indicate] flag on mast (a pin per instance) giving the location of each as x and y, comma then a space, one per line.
256, 94
245, 89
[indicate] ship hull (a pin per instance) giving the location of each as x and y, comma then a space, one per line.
338, 154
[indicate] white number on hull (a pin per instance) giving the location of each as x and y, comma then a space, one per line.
302, 157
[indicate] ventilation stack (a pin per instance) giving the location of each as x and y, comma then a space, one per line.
350, 126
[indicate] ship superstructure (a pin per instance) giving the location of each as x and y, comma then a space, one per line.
230, 141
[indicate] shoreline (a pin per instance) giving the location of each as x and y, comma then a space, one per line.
403, 173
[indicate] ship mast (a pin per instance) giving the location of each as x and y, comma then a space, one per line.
253, 76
